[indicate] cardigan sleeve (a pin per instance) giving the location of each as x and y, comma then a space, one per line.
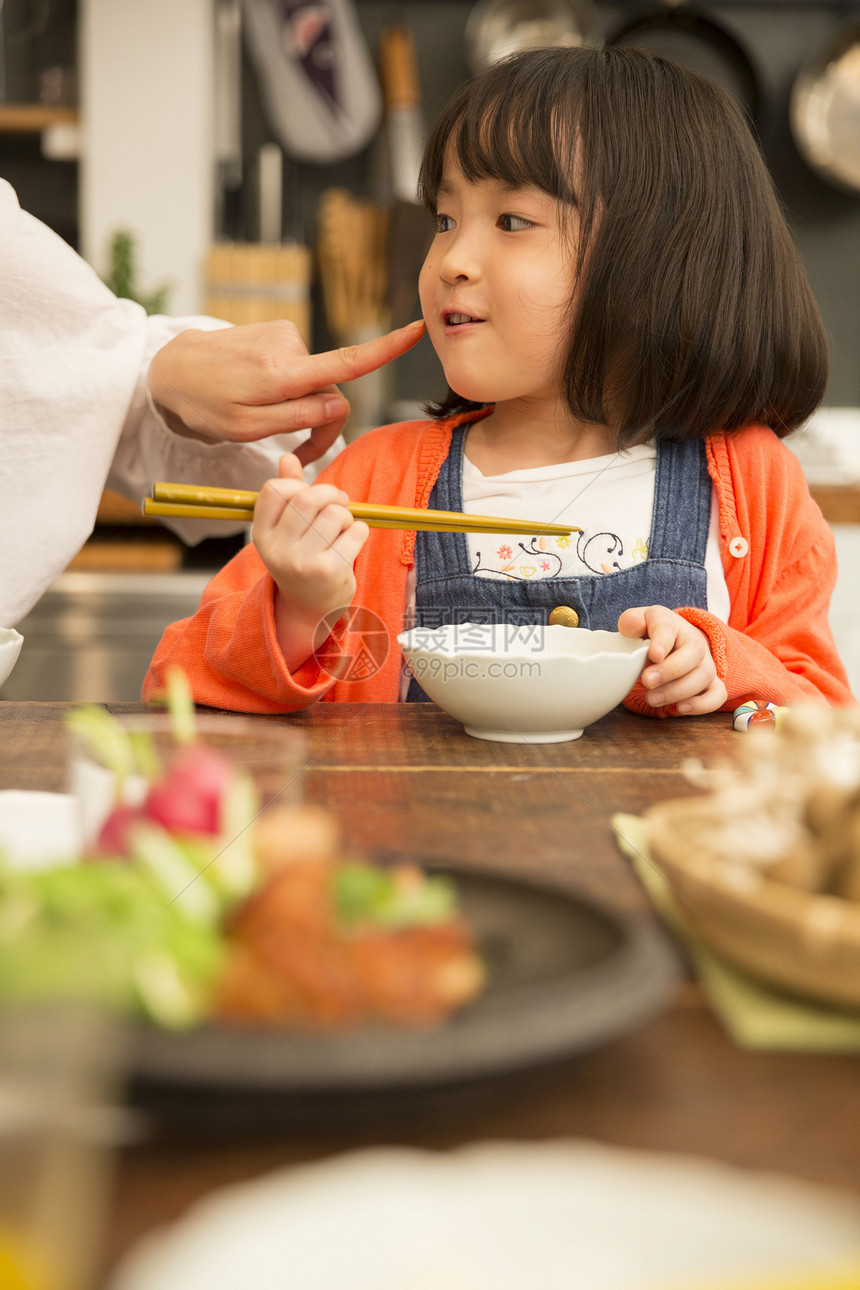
778, 645
229, 648
786, 654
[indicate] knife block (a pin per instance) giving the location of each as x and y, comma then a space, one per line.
249, 282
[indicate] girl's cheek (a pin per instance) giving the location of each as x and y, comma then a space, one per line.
425, 278
428, 300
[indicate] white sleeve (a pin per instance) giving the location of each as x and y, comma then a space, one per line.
74, 413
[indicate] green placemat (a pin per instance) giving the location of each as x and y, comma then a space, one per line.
754, 1014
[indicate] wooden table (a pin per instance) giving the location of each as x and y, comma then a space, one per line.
406, 780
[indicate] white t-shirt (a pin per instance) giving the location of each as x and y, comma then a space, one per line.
610, 498
75, 415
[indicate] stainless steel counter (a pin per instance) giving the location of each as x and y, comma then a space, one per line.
91, 636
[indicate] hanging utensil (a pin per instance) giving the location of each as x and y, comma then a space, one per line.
351, 257
270, 187
824, 111
496, 28
410, 228
317, 78
351, 238
227, 120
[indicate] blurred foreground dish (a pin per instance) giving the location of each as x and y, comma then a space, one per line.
510, 1216
194, 902
768, 861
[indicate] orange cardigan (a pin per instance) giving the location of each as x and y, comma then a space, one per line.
778, 556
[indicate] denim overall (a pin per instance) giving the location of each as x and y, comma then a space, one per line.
673, 575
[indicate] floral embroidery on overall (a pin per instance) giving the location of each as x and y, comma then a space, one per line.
542, 557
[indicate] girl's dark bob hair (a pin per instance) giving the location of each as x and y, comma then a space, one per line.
692, 312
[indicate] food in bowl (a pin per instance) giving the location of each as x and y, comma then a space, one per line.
523, 684
767, 861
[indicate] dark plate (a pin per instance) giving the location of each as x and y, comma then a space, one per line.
564, 976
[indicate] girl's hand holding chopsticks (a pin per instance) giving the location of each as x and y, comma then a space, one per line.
308, 541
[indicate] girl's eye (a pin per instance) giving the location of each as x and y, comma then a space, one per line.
513, 223
444, 223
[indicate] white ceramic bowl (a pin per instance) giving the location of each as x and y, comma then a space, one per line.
10, 647
533, 684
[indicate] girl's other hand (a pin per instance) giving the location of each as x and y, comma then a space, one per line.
681, 669
308, 540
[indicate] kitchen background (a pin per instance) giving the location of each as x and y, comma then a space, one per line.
161, 120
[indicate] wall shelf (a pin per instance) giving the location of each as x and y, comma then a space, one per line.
33, 118
840, 503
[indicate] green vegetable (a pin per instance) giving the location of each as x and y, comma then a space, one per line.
235, 871
145, 756
103, 933
180, 705
141, 932
180, 871
125, 752
371, 894
105, 738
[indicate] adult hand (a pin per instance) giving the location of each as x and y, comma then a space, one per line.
684, 672
246, 383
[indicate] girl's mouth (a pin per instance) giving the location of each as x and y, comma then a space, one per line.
453, 319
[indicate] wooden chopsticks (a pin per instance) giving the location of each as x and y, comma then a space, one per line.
237, 504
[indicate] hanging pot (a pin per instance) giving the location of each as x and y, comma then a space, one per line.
496, 28
692, 38
824, 111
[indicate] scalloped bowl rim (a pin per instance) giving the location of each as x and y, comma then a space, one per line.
556, 642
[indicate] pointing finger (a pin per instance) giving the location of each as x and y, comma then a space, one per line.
345, 364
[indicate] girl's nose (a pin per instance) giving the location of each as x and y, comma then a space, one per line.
460, 261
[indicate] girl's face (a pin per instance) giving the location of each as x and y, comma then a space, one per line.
495, 290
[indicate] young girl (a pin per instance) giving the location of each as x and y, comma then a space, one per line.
626, 332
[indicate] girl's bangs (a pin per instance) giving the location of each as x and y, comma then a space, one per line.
507, 134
